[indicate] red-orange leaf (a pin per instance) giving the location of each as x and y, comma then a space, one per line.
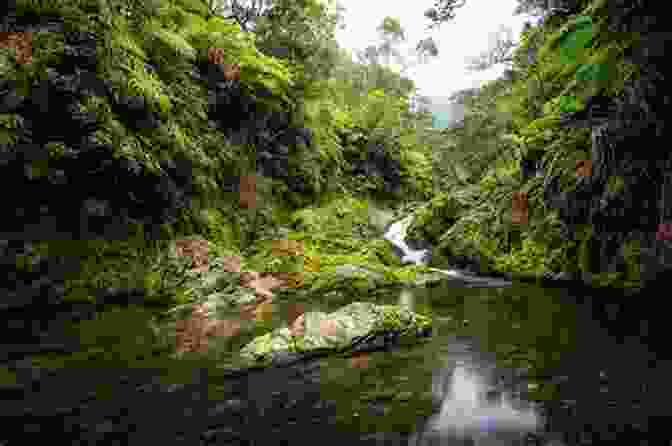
359, 361
248, 192
298, 327
22, 43
232, 264
584, 168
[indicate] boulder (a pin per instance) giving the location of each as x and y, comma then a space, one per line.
350, 271
358, 326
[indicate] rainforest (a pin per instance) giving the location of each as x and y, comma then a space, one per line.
221, 228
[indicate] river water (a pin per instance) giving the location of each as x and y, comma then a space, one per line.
507, 364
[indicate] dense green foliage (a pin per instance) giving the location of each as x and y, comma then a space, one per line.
559, 65
367, 149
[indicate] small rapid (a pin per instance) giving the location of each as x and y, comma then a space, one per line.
396, 234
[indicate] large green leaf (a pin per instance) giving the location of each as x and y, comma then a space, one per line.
592, 72
573, 41
569, 104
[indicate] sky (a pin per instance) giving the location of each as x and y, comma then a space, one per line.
469, 34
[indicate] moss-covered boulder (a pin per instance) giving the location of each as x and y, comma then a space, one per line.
359, 324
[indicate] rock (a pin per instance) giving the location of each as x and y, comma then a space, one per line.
350, 270
354, 324
380, 219
10, 102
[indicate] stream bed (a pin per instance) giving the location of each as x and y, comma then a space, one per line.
508, 365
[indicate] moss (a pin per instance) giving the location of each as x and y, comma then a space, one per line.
8, 377
631, 252
418, 171
532, 257
218, 229
607, 279
380, 251
585, 254
615, 185
9, 123
334, 232
395, 317
433, 219
345, 215
136, 263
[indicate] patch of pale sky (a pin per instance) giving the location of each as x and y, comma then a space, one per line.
469, 34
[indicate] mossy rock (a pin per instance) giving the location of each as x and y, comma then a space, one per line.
382, 251
337, 331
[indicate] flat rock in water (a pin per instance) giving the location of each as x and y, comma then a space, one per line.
340, 330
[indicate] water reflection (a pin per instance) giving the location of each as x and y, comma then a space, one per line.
476, 407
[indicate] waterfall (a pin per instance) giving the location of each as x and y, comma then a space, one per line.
396, 234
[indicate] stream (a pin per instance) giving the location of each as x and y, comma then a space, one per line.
507, 364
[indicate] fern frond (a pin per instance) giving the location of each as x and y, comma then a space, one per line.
7, 137
146, 84
198, 6
173, 40
125, 40
194, 24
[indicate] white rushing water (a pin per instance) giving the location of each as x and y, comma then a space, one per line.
396, 234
